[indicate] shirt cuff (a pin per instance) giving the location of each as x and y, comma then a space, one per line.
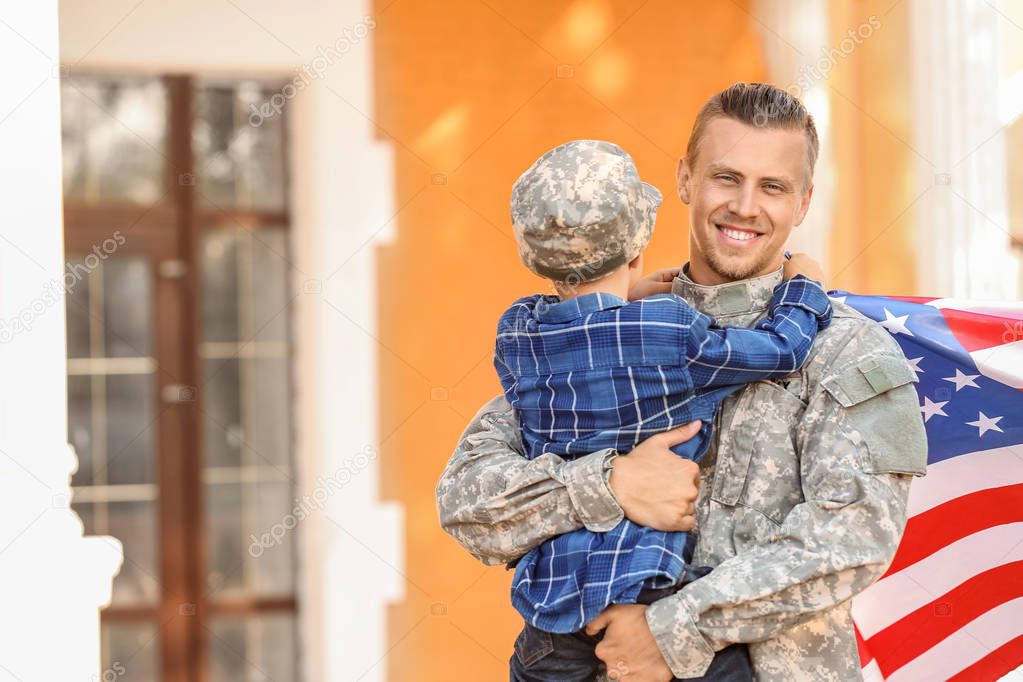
804, 293
592, 499
684, 649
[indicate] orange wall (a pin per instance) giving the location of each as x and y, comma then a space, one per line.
469, 98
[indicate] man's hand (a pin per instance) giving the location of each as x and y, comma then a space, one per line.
628, 648
655, 487
656, 283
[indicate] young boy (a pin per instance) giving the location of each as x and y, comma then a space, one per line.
587, 370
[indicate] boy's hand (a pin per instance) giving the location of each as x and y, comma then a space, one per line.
655, 487
656, 283
802, 264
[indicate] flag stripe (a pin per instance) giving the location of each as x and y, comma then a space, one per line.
957, 476
975, 331
999, 662
871, 673
966, 646
928, 532
898, 595
910, 637
1001, 308
1001, 363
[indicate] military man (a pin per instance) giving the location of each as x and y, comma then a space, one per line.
802, 497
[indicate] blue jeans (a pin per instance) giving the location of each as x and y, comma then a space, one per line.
550, 657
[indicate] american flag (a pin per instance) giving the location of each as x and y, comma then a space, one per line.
950, 607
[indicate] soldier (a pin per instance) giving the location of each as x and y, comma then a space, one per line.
802, 496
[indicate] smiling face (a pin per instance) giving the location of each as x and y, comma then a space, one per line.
746, 190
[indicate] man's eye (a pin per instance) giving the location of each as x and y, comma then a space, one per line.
726, 178
773, 188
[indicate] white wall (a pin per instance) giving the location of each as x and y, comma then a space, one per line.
52, 580
350, 561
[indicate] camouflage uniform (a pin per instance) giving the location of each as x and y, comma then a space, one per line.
802, 500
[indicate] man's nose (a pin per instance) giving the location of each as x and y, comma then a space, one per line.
744, 202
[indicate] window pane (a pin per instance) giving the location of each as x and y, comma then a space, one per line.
127, 297
131, 431
219, 286
78, 318
111, 415
113, 137
130, 652
239, 152
247, 420
79, 426
270, 299
251, 532
222, 420
253, 649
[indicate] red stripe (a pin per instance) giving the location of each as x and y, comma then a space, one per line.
905, 639
935, 528
976, 331
1002, 660
865, 656
914, 299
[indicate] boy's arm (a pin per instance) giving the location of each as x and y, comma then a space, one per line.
777, 346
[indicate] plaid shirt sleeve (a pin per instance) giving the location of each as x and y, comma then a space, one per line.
777, 346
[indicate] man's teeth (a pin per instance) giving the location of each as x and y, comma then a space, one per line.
736, 234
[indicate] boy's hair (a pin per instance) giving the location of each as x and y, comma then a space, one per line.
760, 105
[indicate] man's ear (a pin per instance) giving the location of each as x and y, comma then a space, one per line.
801, 213
683, 179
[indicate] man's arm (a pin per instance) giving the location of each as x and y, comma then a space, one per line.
859, 448
499, 505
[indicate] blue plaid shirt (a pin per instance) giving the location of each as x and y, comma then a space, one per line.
598, 372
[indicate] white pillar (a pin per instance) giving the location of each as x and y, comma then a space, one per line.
52, 580
963, 219
352, 550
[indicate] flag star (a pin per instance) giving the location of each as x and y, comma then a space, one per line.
985, 424
840, 299
914, 364
930, 409
962, 380
895, 325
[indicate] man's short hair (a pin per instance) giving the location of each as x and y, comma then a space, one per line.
760, 105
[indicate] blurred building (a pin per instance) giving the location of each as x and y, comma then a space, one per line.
286, 245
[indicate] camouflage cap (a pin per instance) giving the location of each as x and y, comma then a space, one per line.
581, 211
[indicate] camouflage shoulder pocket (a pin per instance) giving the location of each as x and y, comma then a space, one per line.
882, 406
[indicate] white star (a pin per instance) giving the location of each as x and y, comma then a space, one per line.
914, 364
985, 424
840, 299
962, 380
930, 409
895, 325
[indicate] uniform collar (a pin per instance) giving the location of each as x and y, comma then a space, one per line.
733, 298
552, 310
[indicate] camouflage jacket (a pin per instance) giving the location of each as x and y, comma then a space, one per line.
802, 500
